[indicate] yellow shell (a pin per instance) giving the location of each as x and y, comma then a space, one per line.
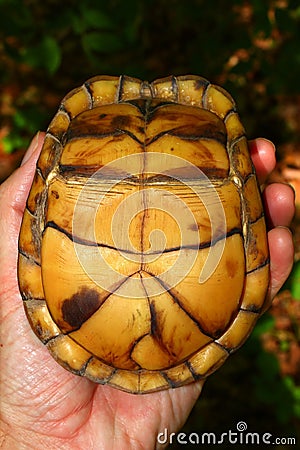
143, 258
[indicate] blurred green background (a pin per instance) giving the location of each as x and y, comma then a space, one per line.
252, 48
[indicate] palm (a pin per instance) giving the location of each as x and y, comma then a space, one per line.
50, 401
41, 402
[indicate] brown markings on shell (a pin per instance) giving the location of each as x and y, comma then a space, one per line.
35, 234
55, 194
106, 123
212, 172
121, 121
80, 307
231, 267
154, 319
193, 227
125, 122
157, 324
194, 132
38, 198
197, 127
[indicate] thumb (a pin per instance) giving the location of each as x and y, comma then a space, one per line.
13, 195
14, 191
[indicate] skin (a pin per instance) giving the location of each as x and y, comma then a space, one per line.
43, 405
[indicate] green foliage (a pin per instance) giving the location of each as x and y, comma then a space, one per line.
264, 325
45, 54
251, 48
24, 41
295, 281
273, 391
25, 123
295, 393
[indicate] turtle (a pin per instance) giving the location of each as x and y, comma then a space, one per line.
143, 258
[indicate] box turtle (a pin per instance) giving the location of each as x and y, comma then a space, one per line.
143, 258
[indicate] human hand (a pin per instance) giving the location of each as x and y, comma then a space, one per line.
42, 404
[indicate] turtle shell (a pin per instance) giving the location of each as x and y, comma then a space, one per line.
143, 258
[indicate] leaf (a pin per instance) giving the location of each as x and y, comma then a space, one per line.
290, 384
97, 19
295, 281
103, 42
52, 50
87, 19
46, 54
263, 325
13, 142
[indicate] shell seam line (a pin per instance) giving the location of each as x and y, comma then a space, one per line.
144, 147
222, 346
145, 334
178, 302
117, 132
237, 139
168, 380
204, 102
82, 241
249, 176
82, 371
27, 299
185, 137
38, 170
119, 91
195, 375
89, 93
175, 88
264, 264
29, 257
63, 109
32, 213
229, 113
252, 222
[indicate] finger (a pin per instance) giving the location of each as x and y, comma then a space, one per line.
262, 152
279, 204
35, 143
281, 258
15, 189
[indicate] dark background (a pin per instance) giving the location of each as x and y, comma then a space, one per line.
252, 48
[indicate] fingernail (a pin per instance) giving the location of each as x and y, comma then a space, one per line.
265, 140
272, 143
282, 227
31, 149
